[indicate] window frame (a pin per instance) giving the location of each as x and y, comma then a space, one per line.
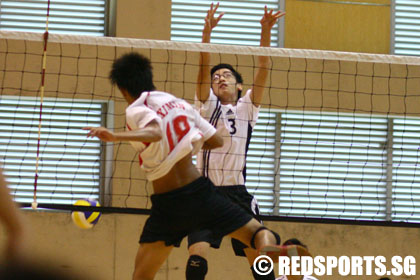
105, 150
108, 15
407, 50
391, 201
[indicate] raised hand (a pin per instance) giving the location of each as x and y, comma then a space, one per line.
211, 21
270, 18
101, 132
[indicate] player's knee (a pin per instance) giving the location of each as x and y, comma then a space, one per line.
196, 268
254, 236
276, 236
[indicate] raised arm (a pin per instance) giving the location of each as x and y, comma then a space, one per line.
150, 133
203, 78
267, 23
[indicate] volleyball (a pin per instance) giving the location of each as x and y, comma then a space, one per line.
85, 219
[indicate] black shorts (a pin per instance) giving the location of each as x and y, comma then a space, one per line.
196, 206
239, 196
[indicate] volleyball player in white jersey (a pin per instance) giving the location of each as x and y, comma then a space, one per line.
220, 102
167, 131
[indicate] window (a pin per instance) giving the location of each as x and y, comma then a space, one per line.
336, 166
70, 163
261, 179
82, 17
240, 25
406, 170
406, 27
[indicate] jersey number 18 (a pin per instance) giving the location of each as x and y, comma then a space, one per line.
180, 126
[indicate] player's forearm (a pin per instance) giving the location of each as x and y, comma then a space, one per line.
206, 36
214, 142
263, 64
205, 56
203, 80
265, 41
262, 71
147, 134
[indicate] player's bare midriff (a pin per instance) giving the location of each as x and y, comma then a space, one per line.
181, 174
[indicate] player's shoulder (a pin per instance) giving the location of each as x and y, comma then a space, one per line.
246, 98
163, 95
139, 106
211, 98
155, 99
159, 94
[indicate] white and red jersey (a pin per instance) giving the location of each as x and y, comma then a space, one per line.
225, 166
183, 131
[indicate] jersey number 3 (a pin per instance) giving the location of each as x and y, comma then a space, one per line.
181, 127
232, 126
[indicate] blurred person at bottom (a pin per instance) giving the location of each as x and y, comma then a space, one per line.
12, 220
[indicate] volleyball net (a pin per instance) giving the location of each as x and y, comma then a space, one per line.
338, 135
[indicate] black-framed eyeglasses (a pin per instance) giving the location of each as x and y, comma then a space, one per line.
226, 75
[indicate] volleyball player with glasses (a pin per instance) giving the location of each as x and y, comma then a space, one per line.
219, 100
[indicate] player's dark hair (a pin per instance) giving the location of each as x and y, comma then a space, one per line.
235, 73
132, 72
294, 241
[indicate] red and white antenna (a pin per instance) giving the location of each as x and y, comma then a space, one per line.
42, 88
